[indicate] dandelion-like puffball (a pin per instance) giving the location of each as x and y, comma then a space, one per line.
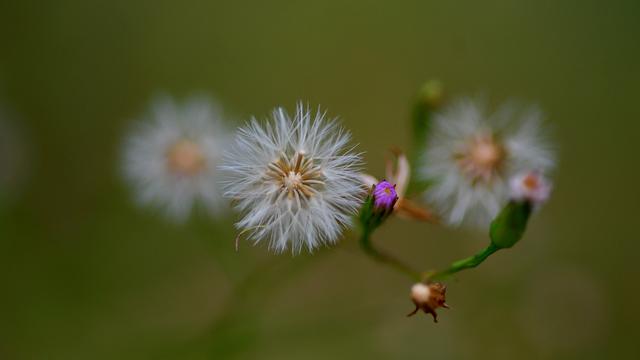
296, 181
471, 156
170, 158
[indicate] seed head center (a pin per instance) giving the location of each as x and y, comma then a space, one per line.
298, 176
185, 157
293, 180
486, 154
482, 158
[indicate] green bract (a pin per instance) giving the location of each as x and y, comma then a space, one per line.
509, 226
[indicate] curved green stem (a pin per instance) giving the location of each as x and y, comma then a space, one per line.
463, 264
426, 103
368, 247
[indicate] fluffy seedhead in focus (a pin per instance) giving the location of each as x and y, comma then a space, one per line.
295, 180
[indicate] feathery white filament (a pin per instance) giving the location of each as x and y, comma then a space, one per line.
295, 181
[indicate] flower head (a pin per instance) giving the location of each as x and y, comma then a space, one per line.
399, 176
295, 180
170, 158
428, 297
530, 186
379, 204
384, 195
471, 156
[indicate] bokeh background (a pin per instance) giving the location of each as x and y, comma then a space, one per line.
84, 274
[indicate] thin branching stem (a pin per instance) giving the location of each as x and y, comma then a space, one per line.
463, 264
368, 247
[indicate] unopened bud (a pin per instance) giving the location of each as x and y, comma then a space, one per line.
432, 93
378, 206
509, 226
384, 196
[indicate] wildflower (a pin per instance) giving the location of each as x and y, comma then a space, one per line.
399, 175
428, 297
384, 196
530, 186
295, 180
470, 158
170, 158
378, 205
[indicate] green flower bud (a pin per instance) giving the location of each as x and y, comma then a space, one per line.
429, 98
509, 226
431, 93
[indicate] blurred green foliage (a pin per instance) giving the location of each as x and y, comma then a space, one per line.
87, 275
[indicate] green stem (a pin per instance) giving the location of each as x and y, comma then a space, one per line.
426, 103
421, 117
467, 263
368, 247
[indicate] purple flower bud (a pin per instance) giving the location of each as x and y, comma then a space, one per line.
384, 196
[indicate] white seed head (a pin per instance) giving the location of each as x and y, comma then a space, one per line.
471, 156
170, 157
295, 180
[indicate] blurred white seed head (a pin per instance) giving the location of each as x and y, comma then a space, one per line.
530, 186
295, 180
471, 156
170, 157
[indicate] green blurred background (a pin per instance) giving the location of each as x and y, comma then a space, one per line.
84, 274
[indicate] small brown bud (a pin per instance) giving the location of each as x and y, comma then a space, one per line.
428, 297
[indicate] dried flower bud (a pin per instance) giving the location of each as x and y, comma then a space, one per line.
530, 186
428, 297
